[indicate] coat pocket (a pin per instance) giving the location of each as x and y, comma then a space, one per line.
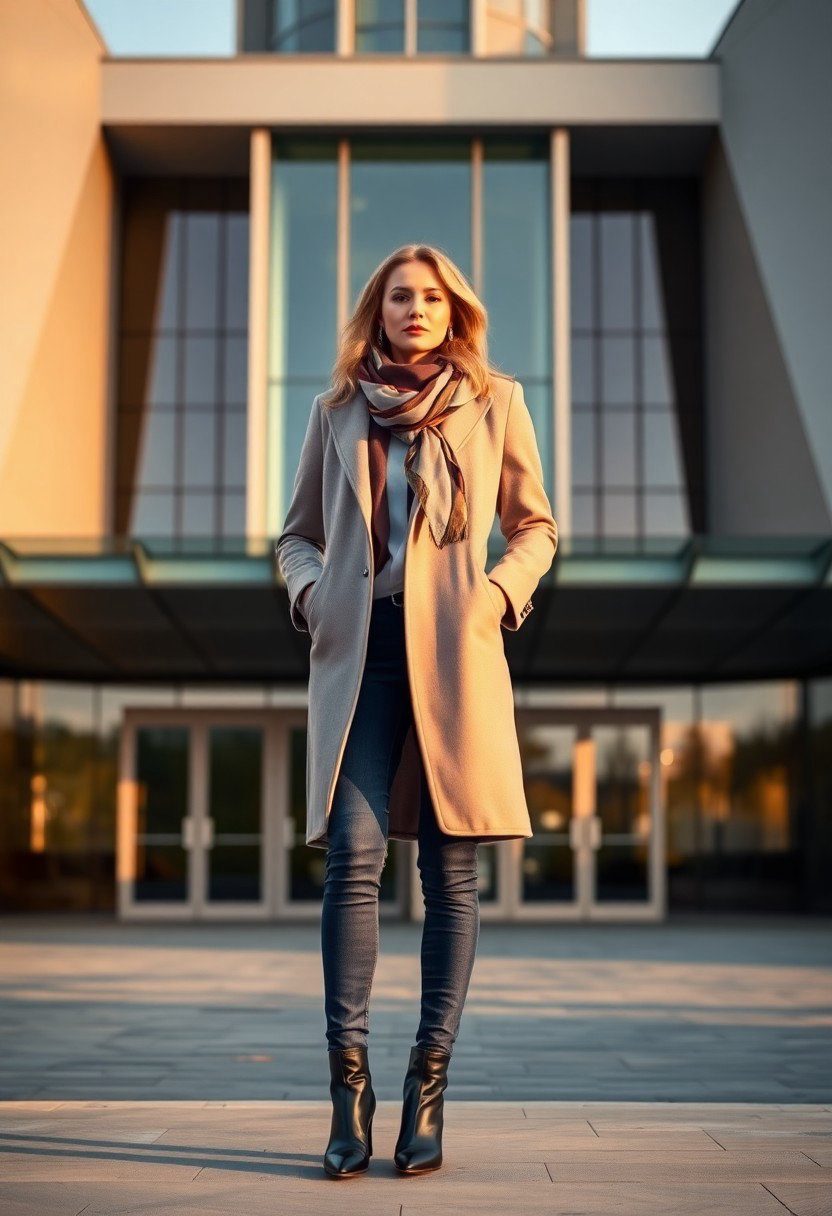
312, 597
494, 594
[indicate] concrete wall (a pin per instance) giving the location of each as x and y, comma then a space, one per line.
56, 190
776, 61
762, 475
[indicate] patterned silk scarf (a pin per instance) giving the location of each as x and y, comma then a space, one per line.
411, 399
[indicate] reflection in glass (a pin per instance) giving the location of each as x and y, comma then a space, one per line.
302, 25
516, 284
442, 26
618, 383
182, 349
379, 26
199, 450
635, 352
621, 874
150, 441
161, 805
617, 295
624, 770
235, 804
302, 312
619, 448
519, 27
729, 765
583, 448
817, 839
661, 448
548, 864
747, 757
394, 188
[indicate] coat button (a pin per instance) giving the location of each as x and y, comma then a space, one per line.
365, 571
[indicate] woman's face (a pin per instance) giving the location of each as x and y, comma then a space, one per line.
413, 296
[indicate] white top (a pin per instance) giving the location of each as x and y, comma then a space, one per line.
390, 578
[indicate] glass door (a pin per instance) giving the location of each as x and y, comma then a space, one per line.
154, 867
592, 787
194, 836
230, 819
623, 826
550, 876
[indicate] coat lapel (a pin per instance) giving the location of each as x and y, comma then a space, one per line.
350, 425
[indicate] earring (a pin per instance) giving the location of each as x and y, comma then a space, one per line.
450, 333
380, 333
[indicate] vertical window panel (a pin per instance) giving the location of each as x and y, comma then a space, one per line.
583, 449
442, 26
636, 349
619, 449
395, 188
297, 26
616, 278
303, 285
379, 26
182, 346
516, 273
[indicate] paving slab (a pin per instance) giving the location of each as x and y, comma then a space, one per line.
79, 1159
698, 1008
683, 1068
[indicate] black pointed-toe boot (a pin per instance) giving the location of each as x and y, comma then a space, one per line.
353, 1106
419, 1146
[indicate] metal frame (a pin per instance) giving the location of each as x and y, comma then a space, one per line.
509, 907
196, 836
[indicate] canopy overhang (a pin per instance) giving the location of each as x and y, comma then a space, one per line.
704, 610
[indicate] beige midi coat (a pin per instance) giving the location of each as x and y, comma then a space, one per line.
463, 724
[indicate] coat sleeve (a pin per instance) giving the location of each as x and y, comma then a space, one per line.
526, 519
300, 546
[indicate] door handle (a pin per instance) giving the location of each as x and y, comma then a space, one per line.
595, 835
187, 833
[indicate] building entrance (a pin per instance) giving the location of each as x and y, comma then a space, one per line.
594, 793
195, 833
593, 788
211, 820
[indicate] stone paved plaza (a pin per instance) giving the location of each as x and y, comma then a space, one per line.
677, 1068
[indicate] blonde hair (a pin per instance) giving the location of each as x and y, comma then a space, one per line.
468, 349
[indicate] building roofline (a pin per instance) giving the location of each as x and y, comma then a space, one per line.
729, 21
99, 37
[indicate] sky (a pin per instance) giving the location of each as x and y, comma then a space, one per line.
614, 27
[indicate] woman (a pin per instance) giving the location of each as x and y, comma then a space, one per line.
411, 730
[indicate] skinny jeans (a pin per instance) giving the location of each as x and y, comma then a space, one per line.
358, 834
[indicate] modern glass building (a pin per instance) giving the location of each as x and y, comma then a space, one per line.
187, 236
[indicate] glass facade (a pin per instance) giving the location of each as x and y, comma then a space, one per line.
733, 770
301, 25
402, 27
392, 189
183, 358
441, 26
516, 259
519, 27
744, 771
636, 360
303, 304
